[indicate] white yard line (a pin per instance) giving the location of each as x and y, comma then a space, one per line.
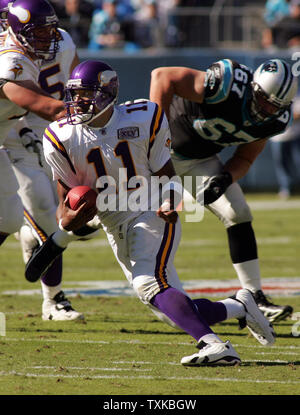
279, 240
274, 204
164, 378
133, 342
276, 286
133, 369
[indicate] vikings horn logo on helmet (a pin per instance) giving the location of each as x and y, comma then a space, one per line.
105, 77
22, 14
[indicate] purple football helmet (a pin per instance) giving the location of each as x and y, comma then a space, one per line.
34, 24
3, 13
92, 89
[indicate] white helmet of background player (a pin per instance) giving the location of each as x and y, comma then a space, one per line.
273, 90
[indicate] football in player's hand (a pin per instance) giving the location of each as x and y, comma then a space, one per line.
80, 194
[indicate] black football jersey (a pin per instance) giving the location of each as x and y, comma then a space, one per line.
202, 130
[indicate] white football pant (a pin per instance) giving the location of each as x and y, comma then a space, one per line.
11, 208
145, 249
231, 208
37, 192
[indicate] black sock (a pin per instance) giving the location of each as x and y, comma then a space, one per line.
242, 242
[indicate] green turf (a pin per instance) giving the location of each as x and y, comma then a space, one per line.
122, 349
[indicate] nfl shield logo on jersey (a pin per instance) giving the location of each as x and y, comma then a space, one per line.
128, 132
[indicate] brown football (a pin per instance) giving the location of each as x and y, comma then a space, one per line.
80, 194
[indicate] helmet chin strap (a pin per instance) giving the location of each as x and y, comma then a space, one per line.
255, 114
26, 45
100, 113
15, 39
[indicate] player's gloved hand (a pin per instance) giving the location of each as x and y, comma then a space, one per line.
167, 212
32, 144
216, 186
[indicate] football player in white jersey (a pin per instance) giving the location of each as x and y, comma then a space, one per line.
42, 65
36, 189
19, 72
117, 150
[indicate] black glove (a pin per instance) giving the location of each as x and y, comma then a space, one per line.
216, 186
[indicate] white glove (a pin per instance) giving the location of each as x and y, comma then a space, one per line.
32, 144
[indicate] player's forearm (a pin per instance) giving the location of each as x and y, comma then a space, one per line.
48, 108
62, 191
237, 167
170, 199
33, 99
243, 158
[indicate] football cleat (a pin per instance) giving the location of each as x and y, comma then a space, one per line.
211, 354
41, 260
60, 309
254, 319
272, 312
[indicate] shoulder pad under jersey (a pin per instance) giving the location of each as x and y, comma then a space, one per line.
16, 66
218, 81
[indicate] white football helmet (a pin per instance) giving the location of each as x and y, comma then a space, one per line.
273, 90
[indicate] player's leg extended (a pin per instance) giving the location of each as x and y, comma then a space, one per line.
148, 253
234, 212
231, 209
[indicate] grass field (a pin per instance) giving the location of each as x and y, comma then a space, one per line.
121, 349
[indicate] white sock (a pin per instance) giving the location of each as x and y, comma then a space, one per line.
50, 292
62, 238
249, 274
210, 338
234, 308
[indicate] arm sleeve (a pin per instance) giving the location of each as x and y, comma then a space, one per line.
218, 81
68, 49
17, 68
59, 162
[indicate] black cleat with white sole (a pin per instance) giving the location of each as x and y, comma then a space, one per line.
272, 312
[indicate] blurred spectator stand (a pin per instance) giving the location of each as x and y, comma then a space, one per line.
282, 18
110, 28
285, 149
75, 17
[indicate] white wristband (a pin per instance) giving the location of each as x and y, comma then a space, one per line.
60, 226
